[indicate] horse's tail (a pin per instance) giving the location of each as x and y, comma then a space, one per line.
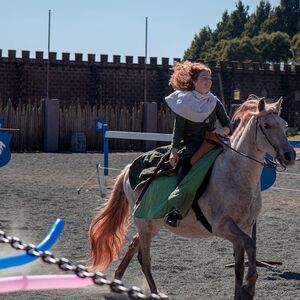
108, 229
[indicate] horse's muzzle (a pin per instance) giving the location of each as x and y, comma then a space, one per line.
288, 158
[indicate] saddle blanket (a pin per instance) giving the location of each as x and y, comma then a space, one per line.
162, 195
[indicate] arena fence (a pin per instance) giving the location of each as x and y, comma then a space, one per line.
77, 119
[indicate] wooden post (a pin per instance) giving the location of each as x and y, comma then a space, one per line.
150, 123
51, 124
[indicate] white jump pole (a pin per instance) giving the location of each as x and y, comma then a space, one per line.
128, 135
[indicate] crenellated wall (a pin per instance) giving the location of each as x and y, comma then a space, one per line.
268, 80
93, 80
101, 80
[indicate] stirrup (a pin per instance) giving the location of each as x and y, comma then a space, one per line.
173, 218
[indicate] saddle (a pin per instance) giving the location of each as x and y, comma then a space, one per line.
211, 140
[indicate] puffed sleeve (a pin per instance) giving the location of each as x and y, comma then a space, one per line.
178, 131
222, 115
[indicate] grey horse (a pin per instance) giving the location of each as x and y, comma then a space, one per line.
232, 214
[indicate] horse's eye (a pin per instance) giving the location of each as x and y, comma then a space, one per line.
267, 126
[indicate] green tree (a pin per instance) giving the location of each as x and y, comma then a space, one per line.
263, 36
262, 45
222, 30
238, 19
232, 26
285, 18
194, 52
281, 45
261, 14
213, 52
274, 47
295, 47
240, 49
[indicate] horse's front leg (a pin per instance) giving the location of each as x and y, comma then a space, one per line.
239, 267
144, 259
251, 277
229, 230
147, 229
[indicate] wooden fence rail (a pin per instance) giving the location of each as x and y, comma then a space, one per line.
75, 117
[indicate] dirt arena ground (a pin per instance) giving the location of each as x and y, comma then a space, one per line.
38, 188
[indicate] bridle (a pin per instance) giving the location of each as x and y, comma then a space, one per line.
264, 133
267, 161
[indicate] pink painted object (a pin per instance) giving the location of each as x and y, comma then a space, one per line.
42, 282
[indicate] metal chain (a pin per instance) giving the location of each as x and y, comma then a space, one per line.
81, 271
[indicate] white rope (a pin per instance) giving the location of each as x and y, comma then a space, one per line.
85, 182
284, 189
286, 173
106, 168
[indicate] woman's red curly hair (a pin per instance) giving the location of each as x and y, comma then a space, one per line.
185, 73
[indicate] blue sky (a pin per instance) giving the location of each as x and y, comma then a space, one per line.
109, 26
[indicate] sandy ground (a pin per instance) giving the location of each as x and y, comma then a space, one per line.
38, 188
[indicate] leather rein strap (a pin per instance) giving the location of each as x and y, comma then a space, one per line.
269, 163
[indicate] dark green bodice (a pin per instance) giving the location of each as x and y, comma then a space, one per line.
188, 136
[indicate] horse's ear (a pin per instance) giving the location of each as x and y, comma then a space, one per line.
278, 103
261, 104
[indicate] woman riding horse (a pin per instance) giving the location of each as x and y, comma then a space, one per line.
231, 202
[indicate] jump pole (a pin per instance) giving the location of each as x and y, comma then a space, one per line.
129, 135
295, 143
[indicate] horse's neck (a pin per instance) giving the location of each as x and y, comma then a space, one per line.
245, 142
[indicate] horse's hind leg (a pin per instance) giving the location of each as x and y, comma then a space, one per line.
132, 250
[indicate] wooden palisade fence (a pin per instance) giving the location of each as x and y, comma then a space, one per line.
76, 117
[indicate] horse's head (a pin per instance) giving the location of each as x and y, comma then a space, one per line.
270, 129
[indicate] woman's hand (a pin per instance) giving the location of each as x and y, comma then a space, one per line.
173, 160
222, 131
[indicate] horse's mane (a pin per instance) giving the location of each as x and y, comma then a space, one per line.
250, 108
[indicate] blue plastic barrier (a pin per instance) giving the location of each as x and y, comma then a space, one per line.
267, 178
46, 244
5, 137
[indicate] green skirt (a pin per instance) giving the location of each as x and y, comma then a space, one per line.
163, 194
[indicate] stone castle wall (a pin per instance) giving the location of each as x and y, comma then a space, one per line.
99, 80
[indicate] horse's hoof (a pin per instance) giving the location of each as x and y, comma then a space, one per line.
246, 295
163, 296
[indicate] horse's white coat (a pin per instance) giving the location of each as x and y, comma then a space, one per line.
234, 188
231, 202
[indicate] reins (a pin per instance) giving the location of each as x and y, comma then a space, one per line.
267, 163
